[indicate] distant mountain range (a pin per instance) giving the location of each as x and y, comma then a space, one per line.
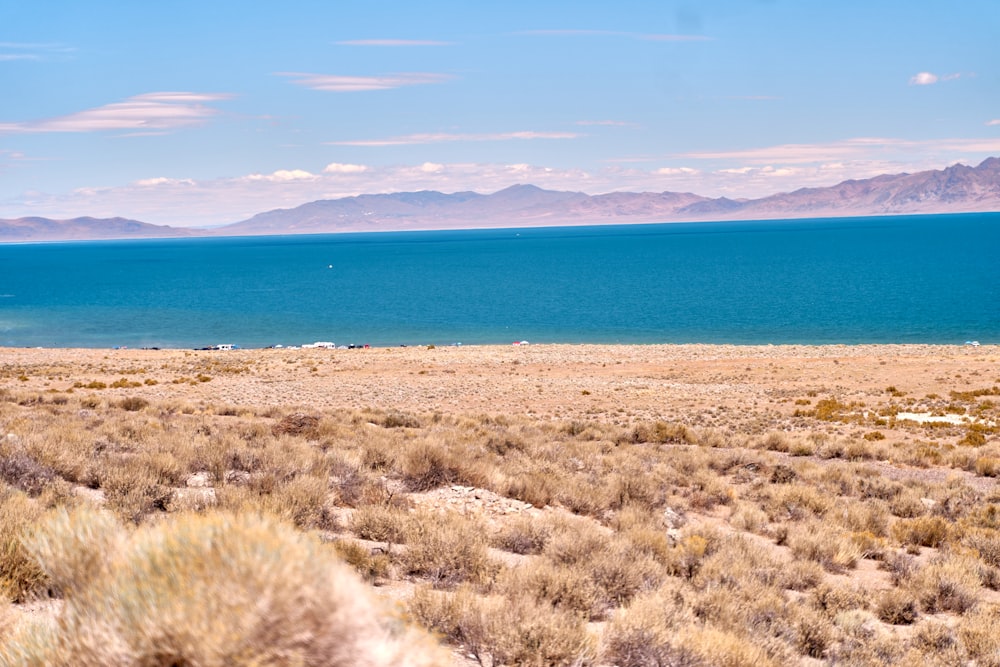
81, 229
953, 190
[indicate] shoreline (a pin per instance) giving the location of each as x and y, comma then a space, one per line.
517, 345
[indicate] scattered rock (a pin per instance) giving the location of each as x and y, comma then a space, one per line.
237, 477
196, 499
470, 499
199, 480
672, 519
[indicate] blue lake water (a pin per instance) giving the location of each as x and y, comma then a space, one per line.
908, 279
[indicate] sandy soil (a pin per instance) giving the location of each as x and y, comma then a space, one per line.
751, 389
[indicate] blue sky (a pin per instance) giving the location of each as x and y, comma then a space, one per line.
195, 113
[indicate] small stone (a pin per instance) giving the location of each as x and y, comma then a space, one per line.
199, 480
672, 518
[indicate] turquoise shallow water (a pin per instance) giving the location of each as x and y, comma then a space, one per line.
926, 279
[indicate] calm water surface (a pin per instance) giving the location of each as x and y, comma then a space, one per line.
932, 279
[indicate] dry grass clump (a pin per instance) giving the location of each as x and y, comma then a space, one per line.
646, 633
979, 633
428, 465
663, 433
207, 590
380, 523
372, 565
302, 500
835, 552
19, 470
20, 576
712, 646
446, 549
925, 531
505, 631
833, 600
558, 586
134, 491
522, 535
950, 582
897, 607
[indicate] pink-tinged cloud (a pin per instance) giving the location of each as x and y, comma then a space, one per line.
923, 79
350, 84
393, 42
152, 111
796, 153
858, 151
443, 137
928, 78
995, 121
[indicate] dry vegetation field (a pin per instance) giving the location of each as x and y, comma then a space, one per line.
537, 505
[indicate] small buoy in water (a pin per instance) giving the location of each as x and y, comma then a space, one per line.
330, 266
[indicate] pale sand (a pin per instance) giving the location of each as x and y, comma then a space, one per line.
749, 388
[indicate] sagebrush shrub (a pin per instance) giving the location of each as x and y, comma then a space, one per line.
213, 590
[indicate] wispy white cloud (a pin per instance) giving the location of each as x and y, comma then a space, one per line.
444, 137
792, 153
676, 171
341, 168
995, 121
283, 176
11, 51
393, 42
162, 180
860, 148
349, 84
151, 111
929, 78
